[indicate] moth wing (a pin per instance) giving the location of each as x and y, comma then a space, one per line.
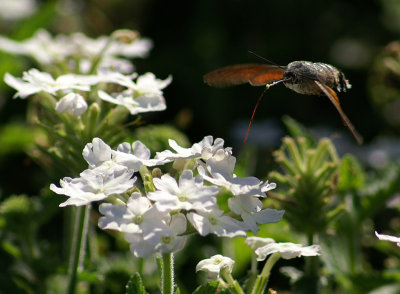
255, 74
266, 77
335, 101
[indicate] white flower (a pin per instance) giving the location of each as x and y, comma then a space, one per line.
388, 238
165, 239
92, 186
257, 242
287, 250
138, 48
147, 85
137, 216
168, 239
99, 155
110, 76
214, 222
143, 96
214, 265
219, 171
126, 155
46, 49
72, 103
41, 47
250, 209
34, 81
16, 9
139, 246
97, 152
135, 105
189, 194
204, 147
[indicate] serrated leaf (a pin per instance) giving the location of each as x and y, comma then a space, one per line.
135, 285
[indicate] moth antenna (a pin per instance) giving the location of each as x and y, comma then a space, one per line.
265, 59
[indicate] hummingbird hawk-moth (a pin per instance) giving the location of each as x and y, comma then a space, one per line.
304, 77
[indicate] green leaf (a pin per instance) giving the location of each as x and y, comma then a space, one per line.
89, 277
177, 290
135, 285
211, 288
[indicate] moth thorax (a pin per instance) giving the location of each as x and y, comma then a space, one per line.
302, 74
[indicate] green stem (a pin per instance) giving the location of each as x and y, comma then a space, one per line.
167, 274
76, 248
233, 284
262, 279
252, 273
311, 269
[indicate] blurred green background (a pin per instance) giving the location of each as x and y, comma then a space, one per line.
194, 37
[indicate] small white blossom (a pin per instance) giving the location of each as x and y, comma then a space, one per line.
16, 9
99, 155
135, 105
46, 49
214, 265
72, 103
250, 209
126, 155
257, 242
92, 186
219, 171
214, 222
143, 96
34, 81
139, 246
189, 194
138, 48
205, 147
165, 239
42, 47
137, 216
388, 238
110, 76
147, 85
287, 250
169, 239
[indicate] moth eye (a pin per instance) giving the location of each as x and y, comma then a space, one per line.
289, 75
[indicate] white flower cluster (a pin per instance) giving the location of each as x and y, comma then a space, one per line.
144, 95
47, 50
157, 221
106, 55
